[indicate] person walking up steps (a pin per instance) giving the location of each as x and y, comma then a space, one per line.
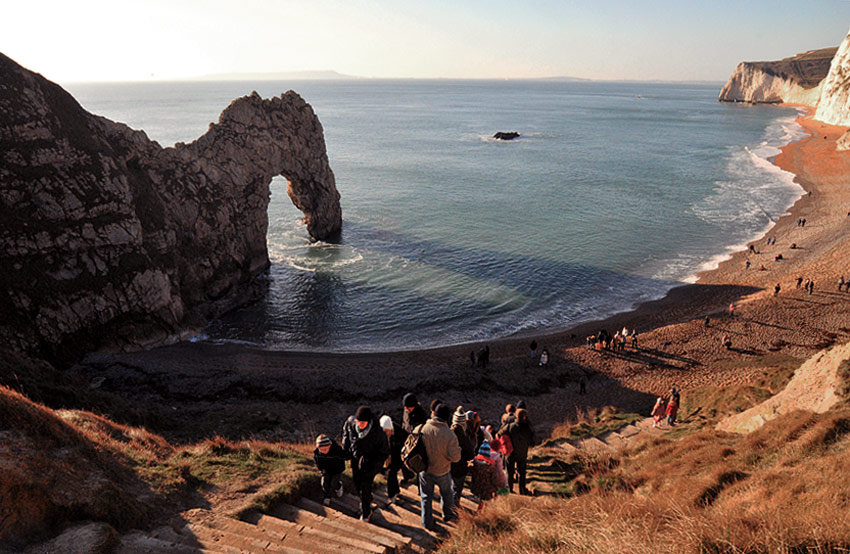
522, 438
330, 460
363, 437
396, 435
658, 411
443, 450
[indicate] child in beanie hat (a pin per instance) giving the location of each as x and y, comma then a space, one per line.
330, 460
487, 477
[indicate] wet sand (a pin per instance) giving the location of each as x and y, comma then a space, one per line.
196, 390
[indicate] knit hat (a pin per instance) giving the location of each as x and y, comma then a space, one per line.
386, 423
443, 412
484, 450
409, 400
470, 415
434, 404
364, 413
459, 417
520, 405
323, 440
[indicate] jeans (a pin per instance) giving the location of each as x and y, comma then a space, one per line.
330, 484
426, 495
457, 488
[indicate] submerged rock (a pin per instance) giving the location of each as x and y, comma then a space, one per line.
109, 240
506, 135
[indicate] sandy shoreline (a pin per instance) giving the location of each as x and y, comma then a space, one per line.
239, 390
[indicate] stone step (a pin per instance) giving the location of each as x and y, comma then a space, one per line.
218, 540
204, 524
333, 514
362, 538
334, 542
629, 431
137, 542
592, 444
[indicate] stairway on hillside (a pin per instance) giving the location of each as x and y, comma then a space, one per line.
305, 527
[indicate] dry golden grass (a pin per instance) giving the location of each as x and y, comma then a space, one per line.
784, 488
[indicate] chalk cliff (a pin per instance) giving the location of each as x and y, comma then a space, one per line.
834, 104
109, 240
794, 80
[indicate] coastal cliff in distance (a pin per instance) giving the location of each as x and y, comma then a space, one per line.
794, 80
834, 103
108, 240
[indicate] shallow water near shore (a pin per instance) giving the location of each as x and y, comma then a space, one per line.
614, 193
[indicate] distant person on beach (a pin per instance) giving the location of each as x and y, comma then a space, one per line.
840, 283
707, 322
674, 394
634, 339
726, 342
747, 264
731, 310
799, 282
443, 450
484, 356
658, 411
672, 410
776, 290
544, 357
467, 452
533, 348
811, 287
330, 460
363, 437
396, 437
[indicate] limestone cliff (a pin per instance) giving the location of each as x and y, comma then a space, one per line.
834, 103
109, 240
813, 388
794, 80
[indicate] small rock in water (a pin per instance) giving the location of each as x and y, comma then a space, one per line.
506, 136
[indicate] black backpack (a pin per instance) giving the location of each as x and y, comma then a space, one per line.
413, 453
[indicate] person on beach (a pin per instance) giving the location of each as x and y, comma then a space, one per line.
522, 438
747, 264
634, 339
467, 452
658, 411
330, 460
544, 358
443, 450
487, 480
533, 348
363, 437
776, 290
799, 282
811, 287
672, 410
840, 283
707, 322
726, 342
732, 310
674, 394
396, 437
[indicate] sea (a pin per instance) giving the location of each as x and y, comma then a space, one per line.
613, 194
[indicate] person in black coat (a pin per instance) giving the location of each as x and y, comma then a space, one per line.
414, 413
467, 452
363, 437
396, 435
330, 460
522, 438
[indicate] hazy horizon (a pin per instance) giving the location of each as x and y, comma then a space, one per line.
615, 40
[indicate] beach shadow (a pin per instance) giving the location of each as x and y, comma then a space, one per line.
651, 357
763, 324
745, 351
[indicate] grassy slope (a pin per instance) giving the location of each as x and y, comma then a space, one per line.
783, 488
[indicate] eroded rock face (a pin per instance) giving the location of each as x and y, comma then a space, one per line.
109, 240
794, 80
834, 104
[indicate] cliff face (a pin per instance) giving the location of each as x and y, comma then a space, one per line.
109, 240
794, 80
834, 104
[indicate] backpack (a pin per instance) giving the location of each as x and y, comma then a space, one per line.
413, 453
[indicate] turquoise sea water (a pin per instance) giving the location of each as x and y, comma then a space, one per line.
614, 193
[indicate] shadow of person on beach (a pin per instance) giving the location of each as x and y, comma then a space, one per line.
652, 357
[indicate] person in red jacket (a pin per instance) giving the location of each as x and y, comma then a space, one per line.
672, 410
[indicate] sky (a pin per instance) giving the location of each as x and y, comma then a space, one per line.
682, 40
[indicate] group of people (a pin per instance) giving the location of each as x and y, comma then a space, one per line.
603, 340
668, 407
809, 285
457, 446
